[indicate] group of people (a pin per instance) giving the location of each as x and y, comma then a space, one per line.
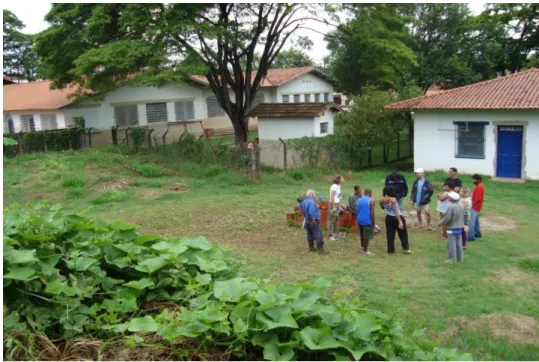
458, 211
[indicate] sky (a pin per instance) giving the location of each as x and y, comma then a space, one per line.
33, 18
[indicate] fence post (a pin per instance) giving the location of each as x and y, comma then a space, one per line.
369, 157
19, 141
45, 141
90, 137
285, 157
114, 135
150, 137
127, 136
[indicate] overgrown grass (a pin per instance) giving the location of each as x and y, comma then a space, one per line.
499, 273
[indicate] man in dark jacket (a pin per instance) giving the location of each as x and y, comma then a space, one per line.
397, 180
422, 191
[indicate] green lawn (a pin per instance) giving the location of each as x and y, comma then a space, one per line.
488, 305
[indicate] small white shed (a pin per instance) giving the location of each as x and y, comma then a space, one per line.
294, 120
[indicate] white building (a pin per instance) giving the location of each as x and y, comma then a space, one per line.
32, 106
294, 120
490, 127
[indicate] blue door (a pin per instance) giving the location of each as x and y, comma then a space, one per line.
509, 158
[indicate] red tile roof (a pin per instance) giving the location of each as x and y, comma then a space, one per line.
272, 110
34, 96
275, 77
514, 91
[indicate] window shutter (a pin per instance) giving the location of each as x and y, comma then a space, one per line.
297, 98
326, 97
258, 100
317, 97
307, 97
214, 108
286, 99
48, 121
27, 123
156, 112
184, 110
126, 115
324, 127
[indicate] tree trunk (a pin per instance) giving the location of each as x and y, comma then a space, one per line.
411, 138
241, 130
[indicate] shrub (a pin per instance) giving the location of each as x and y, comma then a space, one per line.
208, 171
68, 275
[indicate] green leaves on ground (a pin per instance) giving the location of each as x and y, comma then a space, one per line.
67, 275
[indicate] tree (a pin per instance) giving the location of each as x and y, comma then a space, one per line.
515, 27
371, 49
293, 58
110, 44
19, 59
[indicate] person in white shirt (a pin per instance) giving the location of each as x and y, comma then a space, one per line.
334, 208
443, 205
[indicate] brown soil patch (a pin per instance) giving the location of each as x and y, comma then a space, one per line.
42, 195
148, 195
176, 186
497, 223
512, 327
515, 277
114, 184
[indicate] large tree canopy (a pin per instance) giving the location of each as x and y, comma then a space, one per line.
101, 46
371, 49
293, 58
19, 60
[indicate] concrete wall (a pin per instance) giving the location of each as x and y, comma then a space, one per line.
435, 143
272, 154
286, 128
16, 117
306, 84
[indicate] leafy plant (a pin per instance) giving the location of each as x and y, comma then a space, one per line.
138, 135
66, 275
10, 141
147, 170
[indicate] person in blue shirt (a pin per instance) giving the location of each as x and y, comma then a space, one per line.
311, 213
366, 220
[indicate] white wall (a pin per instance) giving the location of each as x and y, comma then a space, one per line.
286, 128
307, 83
16, 117
326, 117
90, 114
435, 144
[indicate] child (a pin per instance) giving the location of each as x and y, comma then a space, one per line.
443, 205
466, 203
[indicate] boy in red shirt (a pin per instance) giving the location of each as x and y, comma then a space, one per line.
477, 204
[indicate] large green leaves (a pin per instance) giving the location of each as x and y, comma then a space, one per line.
232, 290
24, 273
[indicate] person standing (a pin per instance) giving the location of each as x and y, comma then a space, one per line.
466, 203
422, 191
397, 180
334, 208
352, 200
453, 181
395, 222
366, 221
443, 205
311, 214
477, 204
456, 221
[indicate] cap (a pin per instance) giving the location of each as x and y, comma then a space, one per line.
419, 170
310, 192
455, 196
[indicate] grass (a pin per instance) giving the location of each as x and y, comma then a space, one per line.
460, 305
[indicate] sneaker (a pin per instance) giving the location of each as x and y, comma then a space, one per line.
407, 251
368, 253
332, 238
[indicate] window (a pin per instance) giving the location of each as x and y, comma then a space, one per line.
297, 98
48, 121
307, 97
470, 140
27, 123
259, 99
156, 112
126, 115
184, 110
8, 124
317, 97
323, 127
286, 99
326, 97
214, 108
